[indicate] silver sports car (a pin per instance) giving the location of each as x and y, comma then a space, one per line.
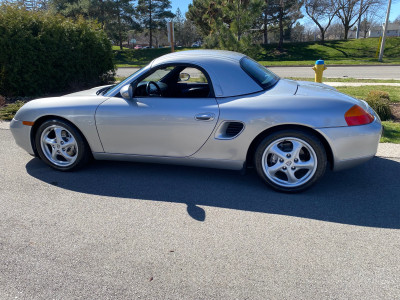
205, 108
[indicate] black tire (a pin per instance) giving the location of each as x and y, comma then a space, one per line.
312, 153
80, 148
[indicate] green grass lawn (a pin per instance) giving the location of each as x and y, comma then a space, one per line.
391, 134
347, 79
118, 48
352, 52
361, 92
361, 51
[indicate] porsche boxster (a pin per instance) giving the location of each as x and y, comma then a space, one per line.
206, 108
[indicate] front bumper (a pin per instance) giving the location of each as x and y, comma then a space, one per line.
353, 145
22, 135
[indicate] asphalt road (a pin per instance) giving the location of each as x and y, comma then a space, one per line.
127, 230
368, 72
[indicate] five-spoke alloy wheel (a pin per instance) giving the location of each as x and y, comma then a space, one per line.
290, 160
61, 146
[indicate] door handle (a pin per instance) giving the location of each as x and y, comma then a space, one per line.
204, 117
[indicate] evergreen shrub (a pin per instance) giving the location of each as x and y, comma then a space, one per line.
42, 53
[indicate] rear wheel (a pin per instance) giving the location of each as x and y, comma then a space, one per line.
61, 145
290, 160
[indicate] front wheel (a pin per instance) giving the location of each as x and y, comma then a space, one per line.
290, 160
61, 145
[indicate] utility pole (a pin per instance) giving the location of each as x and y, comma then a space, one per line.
359, 20
384, 32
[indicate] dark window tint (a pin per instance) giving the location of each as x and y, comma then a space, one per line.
259, 73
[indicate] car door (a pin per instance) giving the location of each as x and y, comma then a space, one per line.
156, 126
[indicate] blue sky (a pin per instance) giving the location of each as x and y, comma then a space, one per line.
394, 11
182, 4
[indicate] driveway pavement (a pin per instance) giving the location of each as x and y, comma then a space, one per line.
118, 230
360, 72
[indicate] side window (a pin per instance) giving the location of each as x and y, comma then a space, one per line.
174, 82
159, 74
192, 75
155, 89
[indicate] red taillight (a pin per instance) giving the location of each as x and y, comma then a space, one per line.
358, 116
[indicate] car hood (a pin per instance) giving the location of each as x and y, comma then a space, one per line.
90, 92
83, 103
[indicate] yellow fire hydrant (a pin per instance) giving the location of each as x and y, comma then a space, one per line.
319, 70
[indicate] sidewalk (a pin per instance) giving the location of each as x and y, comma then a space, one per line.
4, 125
388, 150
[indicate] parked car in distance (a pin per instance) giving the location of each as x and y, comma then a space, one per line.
138, 47
206, 108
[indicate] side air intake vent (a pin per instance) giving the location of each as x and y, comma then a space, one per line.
229, 130
233, 129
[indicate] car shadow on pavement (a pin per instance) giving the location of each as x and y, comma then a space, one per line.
368, 195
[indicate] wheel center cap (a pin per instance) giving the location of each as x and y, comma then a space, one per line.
58, 146
288, 163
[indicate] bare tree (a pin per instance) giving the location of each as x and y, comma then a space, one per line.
322, 13
349, 11
369, 20
335, 31
297, 33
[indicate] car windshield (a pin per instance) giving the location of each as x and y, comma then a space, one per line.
259, 73
125, 81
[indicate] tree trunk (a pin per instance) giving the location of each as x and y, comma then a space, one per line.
346, 31
151, 27
322, 35
239, 33
280, 27
119, 31
102, 14
265, 28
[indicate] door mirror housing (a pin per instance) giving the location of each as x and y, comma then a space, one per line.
184, 76
127, 92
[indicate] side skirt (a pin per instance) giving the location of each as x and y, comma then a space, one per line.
187, 161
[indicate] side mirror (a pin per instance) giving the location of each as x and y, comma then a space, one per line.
127, 92
184, 76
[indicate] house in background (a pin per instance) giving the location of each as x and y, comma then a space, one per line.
392, 30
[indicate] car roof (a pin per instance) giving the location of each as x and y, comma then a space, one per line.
223, 67
206, 53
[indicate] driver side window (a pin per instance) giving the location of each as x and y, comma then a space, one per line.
158, 74
174, 82
152, 85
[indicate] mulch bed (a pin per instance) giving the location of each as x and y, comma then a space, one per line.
395, 108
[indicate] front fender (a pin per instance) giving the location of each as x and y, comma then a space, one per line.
78, 111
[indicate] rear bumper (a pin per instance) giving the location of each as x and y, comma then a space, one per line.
353, 145
22, 135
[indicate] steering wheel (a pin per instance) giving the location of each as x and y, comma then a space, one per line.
148, 90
